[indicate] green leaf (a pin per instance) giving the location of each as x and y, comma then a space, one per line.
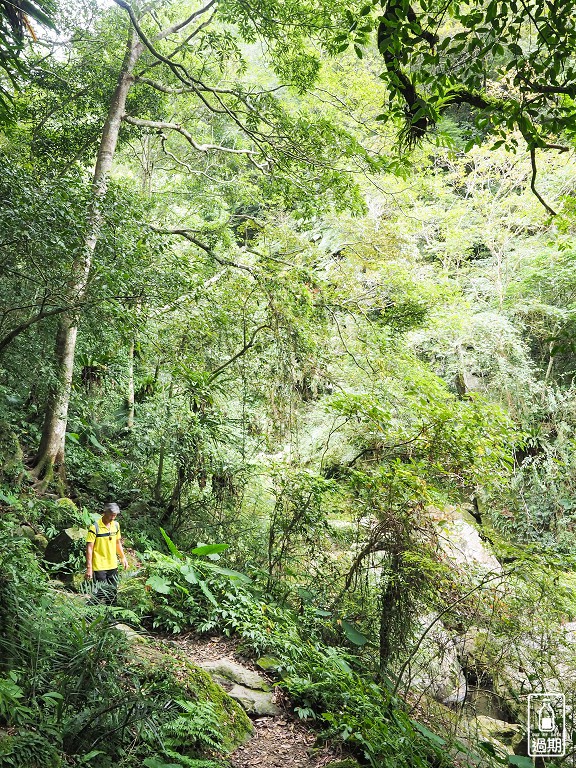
94, 753
52, 695
159, 584
93, 441
209, 549
189, 574
305, 594
171, 546
355, 637
208, 593
433, 737
32, 9
155, 762
342, 665
230, 573
520, 761
489, 748
269, 662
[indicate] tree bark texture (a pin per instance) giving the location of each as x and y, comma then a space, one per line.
51, 449
130, 398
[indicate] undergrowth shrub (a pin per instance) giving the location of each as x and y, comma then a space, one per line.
326, 683
70, 691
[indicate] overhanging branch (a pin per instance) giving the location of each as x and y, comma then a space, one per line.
243, 351
190, 235
161, 126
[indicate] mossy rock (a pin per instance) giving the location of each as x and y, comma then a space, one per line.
65, 514
11, 457
166, 674
61, 548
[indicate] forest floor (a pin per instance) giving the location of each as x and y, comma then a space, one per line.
277, 742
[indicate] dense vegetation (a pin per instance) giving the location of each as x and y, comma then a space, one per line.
277, 279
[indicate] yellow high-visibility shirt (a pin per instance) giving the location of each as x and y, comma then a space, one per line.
104, 554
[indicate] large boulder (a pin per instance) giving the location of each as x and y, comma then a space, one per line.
460, 542
255, 703
166, 673
522, 663
63, 545
435, 668
244, 685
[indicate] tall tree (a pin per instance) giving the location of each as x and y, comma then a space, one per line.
51, 449
260, 132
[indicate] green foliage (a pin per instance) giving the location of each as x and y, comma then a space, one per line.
28, 749
12, 710
462, 57
197, 725
321, 680
15, 28
68, 674
283, 346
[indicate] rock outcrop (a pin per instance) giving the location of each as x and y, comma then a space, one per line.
244, 685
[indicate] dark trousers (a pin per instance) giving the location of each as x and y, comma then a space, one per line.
105, 586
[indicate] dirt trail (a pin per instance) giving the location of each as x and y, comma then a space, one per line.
277, 742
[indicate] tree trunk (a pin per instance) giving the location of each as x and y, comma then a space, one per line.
390, 599
130, 418
162, 455
51, 449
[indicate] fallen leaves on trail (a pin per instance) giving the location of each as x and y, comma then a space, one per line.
279, 743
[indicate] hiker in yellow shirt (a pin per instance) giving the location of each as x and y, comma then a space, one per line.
103, 548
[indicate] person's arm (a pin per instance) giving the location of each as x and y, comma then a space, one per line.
89, 552
120, 551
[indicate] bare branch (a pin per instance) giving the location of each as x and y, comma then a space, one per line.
244, 349
190, 139
551, 211
194, 88
182, 24
164, 88
190, 235
180, 71
189, 168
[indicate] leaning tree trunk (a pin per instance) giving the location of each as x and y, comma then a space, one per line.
51, 449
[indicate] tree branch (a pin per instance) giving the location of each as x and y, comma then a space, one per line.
244, 349
180, 25
190, 236
31, 321
180, 71
195, 87
158, 125
551, 211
